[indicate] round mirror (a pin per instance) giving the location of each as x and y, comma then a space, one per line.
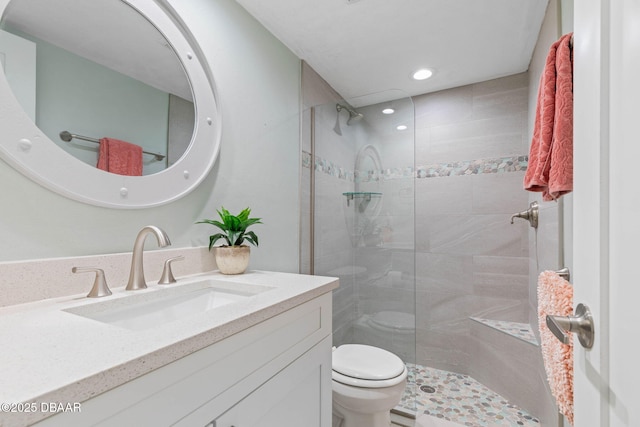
368, 178
78, 75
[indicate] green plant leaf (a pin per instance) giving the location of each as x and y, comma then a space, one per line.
220, 225
234, 223
244, 215
249, 222
250, 236
233, 236
233, 227
215, 237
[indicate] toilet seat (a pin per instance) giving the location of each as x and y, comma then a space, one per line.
366, 366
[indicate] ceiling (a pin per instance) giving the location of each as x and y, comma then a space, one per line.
365, 47
133, 47
362, 48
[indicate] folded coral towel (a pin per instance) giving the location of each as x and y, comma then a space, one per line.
550, 169
120, 157
555, 297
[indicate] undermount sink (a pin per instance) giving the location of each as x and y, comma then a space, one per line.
151, 309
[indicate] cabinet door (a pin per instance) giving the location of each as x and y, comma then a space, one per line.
299, 395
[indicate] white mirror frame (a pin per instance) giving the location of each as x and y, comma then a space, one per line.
369, 151
27, 149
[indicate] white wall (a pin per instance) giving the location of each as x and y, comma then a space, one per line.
117, 106
258, 81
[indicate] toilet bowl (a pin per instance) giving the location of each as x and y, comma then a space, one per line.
367, 383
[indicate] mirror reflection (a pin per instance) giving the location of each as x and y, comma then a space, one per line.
86, 71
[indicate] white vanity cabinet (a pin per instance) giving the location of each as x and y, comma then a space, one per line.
276, 373
289, 399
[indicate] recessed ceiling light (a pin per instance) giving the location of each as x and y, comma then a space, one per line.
422, 74
388, 111
401, 127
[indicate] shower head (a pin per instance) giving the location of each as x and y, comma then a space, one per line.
354, 116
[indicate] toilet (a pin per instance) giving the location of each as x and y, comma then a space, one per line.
367, 383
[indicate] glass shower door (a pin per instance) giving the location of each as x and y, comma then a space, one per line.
364, 222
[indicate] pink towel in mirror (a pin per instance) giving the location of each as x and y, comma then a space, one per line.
120, 157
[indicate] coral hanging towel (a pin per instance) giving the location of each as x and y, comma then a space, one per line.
555, 297
120, 157
550, 169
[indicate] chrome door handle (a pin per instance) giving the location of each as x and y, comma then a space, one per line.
581, 324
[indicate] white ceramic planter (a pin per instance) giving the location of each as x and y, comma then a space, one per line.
232, 259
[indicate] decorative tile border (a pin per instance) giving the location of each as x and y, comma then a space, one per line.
521, 331
459, 168
474, 167
459, 398
331, 169
398, 173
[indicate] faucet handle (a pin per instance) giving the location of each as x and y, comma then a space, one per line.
100, 288
167, 274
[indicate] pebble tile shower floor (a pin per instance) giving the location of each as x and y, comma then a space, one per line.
460, 399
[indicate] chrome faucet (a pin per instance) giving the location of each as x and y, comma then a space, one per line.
136, 277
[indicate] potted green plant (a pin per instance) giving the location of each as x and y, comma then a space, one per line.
232, 258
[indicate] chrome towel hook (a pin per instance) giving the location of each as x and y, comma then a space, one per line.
530, 215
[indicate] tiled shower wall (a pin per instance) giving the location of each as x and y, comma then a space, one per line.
470, 152
471, 146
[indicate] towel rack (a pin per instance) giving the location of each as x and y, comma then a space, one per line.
68, 136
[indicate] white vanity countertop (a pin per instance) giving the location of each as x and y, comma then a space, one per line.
50, 355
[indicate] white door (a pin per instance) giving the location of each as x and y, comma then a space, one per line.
607, 208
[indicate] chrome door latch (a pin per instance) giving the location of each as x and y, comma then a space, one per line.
581, 324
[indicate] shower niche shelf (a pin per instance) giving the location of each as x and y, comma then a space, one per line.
361, 196
521, 331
